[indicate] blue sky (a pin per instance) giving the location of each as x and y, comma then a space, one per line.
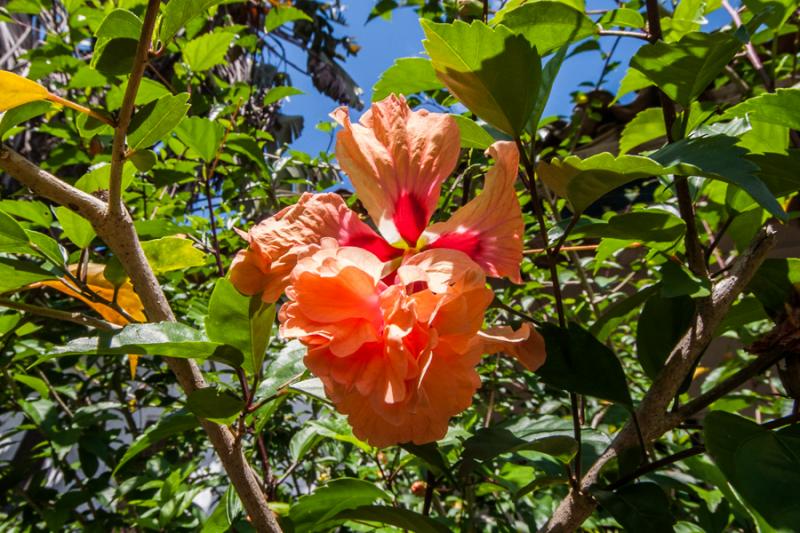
384, 41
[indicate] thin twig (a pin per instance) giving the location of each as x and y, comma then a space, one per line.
66, 316
118, 155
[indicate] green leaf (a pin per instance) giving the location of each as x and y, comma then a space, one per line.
34, 383
172, 253
661, 325
430, 455
633, 80
476, 62
77, 229
687, 18
98, 178
17, 115
228, 319
207, 51
12, 235
279, 93
514, 435
684, 69
548, 25
781, 108
617, 311
762, 465
646, 126
202, 135
677, 280
175, 423
718, 157
408, 75
623, 17
214, 404
170, 339
647, 225
262, 317
154, 121
178, 12
574, 360
287, 366
32, 210
394, 516
218, 520
115, 57
15, 274
119, 23
278, 16
777, 11
775, 282
473, 135
639, 507
325, 503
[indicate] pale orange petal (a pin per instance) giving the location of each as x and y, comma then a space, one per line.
397, 160
490, 227
277, 243
525, 344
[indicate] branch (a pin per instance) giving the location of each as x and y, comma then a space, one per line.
118, 155
118, 232
652, 411
65, 316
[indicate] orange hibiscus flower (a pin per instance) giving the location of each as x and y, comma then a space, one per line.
392, 319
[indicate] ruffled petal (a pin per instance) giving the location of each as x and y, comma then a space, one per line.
489, 228
277, 243
397, 160
525, 344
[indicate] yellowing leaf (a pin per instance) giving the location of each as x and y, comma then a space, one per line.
127, 299
16, 91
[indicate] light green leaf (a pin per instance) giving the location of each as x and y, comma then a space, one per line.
34, 383
280, 92
262, 317
154, 121
228, 319
633, 80
172, 253
17, 115
15, 274
32, 210
201, 135
476, 63
178, 12
684, 69
12, 235
278, 16
207, 51
687, 18
646, 126
623, 17
286, 366
473, 135
408, 75
76, 228
175, 423
119, 23
781, 108
98, 178
548, 25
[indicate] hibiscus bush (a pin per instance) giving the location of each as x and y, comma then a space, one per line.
469, 314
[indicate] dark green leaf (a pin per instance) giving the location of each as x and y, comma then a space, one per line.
262, 317
154, 121
775, 283
684, 69
644, 226
662, 323
639, 507
17, 115
476, 63
214, 404
178, 422
394, 516
762, 465
574, 360
617, 311
116, 57
430, 454
12, 235
679, 281
228, 319
325, 503
408, 75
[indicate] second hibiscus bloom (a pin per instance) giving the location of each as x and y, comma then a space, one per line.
393, 320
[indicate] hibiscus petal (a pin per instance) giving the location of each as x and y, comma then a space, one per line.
277, 243
489, 228
525, 344
397, 160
